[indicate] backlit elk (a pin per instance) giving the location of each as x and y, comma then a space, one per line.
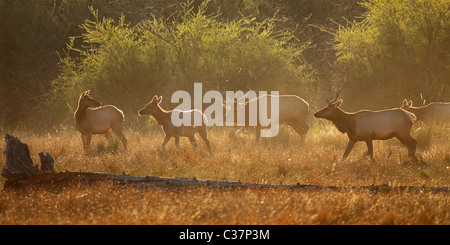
368, 125
433, 112
293, 110
164, 119
92, 118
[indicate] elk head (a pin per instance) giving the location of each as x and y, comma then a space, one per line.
329, 110
87, 101
152, 107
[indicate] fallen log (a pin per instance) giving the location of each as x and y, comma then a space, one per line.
63, 179
21, 174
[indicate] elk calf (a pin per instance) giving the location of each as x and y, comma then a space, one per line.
98, 120
368, 125
163, 118
433, 112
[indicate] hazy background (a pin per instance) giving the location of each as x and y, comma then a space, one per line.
126, 51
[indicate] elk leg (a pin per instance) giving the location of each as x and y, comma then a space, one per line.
84, 140
166, 139
258, 133
305, 131
204, 136
177, 141
369, 148
410, 143
108, 135
302, 129
192, 140
350, 145
124, 141
119, 133
208, 144
412, 149
88, 140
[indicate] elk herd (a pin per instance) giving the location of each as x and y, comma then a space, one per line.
365, 125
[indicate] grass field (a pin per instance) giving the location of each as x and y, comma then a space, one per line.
236, 158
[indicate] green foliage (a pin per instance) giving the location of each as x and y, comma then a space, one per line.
128, 50
126, 66
399, 49
25, 64
33, 33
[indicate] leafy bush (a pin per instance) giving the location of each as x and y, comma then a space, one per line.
33, 33
126, 66
399, 49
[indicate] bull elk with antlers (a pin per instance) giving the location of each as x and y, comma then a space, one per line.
366, 125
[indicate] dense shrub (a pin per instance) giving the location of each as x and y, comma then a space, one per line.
33, 34
398, 49
126, 65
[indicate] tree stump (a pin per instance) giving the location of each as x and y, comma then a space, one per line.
47, 163
18, 160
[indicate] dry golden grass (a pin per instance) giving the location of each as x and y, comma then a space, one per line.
105, 204
236, 158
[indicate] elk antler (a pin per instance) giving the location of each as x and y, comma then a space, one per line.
232, 77
335, 98
255, 78
263, 70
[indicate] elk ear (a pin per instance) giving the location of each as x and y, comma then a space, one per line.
159, 99
410, 103
404, 103
337, 103
154, 99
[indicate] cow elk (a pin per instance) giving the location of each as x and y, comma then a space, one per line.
366, 125
433, 112
293, 110
164, 119
92, 118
